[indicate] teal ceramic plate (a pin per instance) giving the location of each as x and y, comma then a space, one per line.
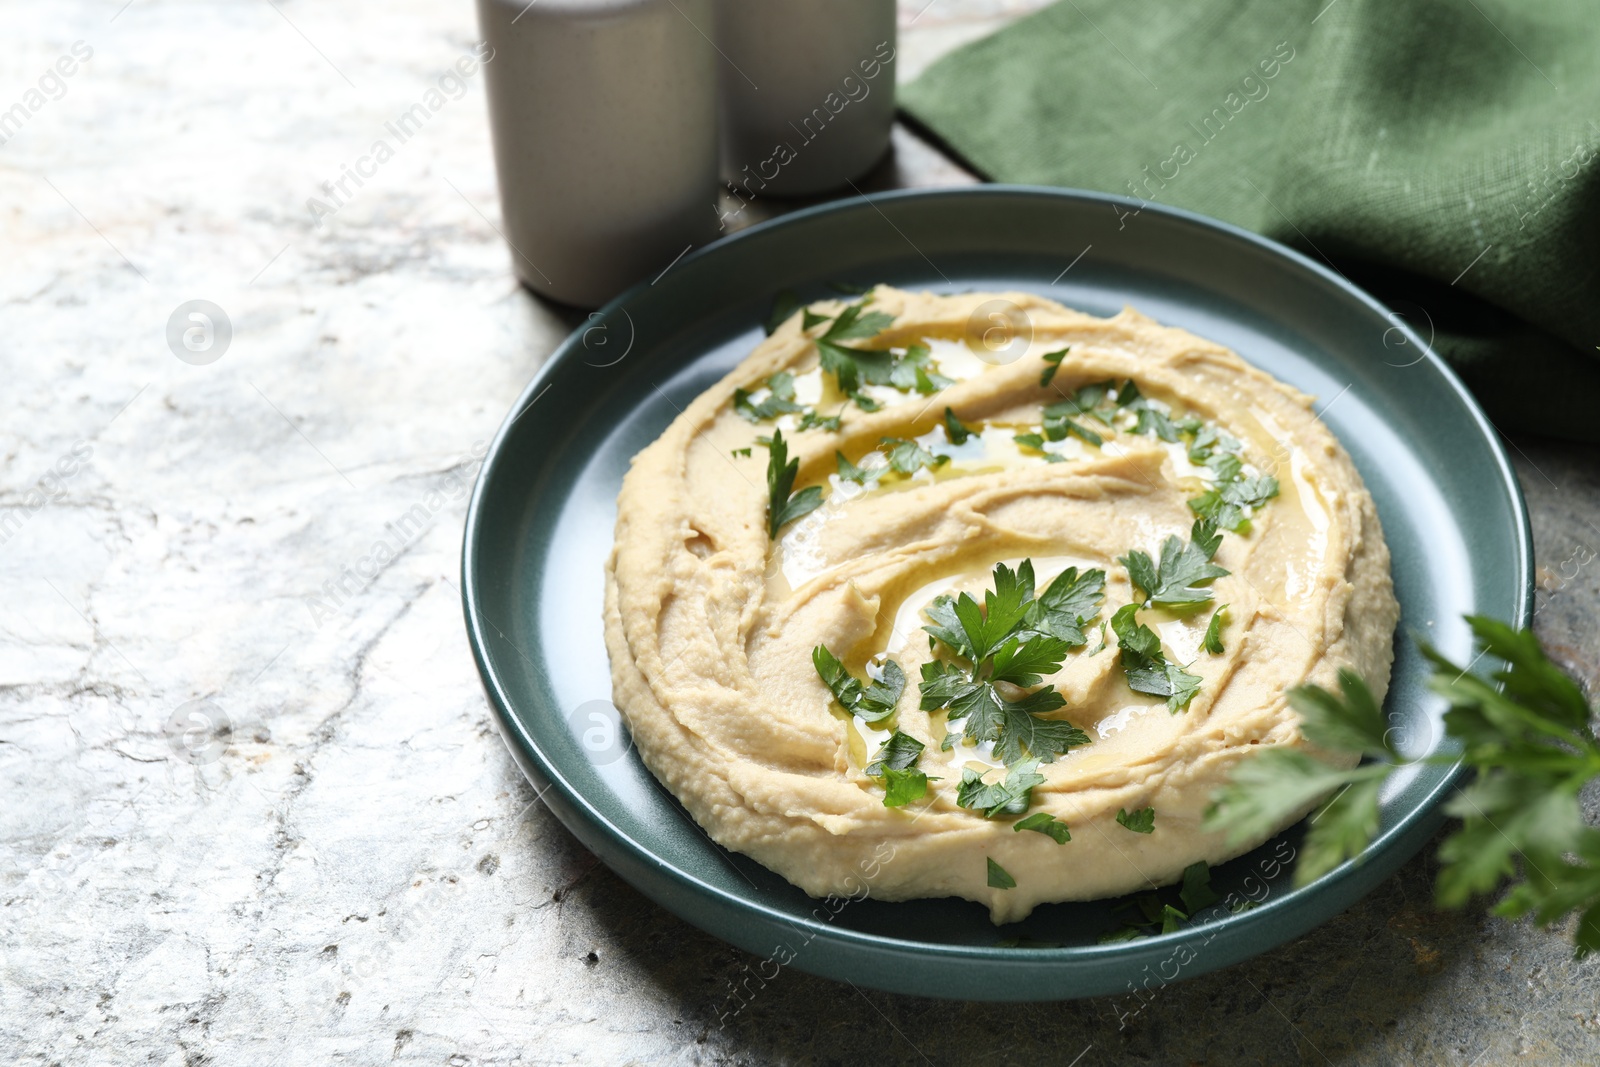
540, 524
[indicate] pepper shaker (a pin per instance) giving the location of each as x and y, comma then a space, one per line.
807, 92
603, 114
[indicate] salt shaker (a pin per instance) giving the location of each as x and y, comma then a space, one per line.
807, 92
604, 121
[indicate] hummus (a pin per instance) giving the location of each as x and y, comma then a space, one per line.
975, 431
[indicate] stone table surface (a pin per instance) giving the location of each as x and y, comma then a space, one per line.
356, 873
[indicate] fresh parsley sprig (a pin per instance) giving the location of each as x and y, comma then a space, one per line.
1528, 733
782, 508
1146, 665
1183, 577
873, 702
1014, 638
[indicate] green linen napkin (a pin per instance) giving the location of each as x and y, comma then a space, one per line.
1440, 153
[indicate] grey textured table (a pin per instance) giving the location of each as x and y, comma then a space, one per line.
359, 874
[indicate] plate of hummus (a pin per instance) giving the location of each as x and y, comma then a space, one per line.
888, 589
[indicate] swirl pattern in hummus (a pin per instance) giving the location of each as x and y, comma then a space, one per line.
711, 626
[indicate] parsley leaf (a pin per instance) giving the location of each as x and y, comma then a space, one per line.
873, 702
900, 752
896, 764
954, 430
1146, 666
1002, 647
1010, 796
850, 472
782, 508
1053, 361
901, 787
779, 401
1061, 417
914, 372
812, 421
853, 367
1142, 821
1197, 893
1045, 823
1224, 504
744, 452
1036, 443
1352, 724
1068, 604
998, 878
1212, 642
908, 457
1184, 569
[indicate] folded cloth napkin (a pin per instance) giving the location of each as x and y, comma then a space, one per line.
1440, 153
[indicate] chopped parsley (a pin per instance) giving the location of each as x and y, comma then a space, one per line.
998, 878
954, 430
908, 457
874, 702
914, 371
1062, 417
782, 508
896, 764
1035, 443
1197, 893
1146, 666
745, 452
1010, 796
812, 421
1053, 364
1142, 821
779, 401
1180, 580
1224, 503
1045, 823
850, 472
1212, 642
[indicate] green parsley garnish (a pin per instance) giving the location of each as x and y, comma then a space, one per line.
914, 371
852, 367
1146, 666
998, 878
908, 457
1212, 642
782, 508
1197, 893
1526, 730
779, 401
1224, 503
873, 703
954, 430
1016, 638
850, 472
745, 452
1142, 821
812, 421
1045, 823
1036, 443
896, 764
1061, 418
1053, 361
1177, 582
1009, 796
